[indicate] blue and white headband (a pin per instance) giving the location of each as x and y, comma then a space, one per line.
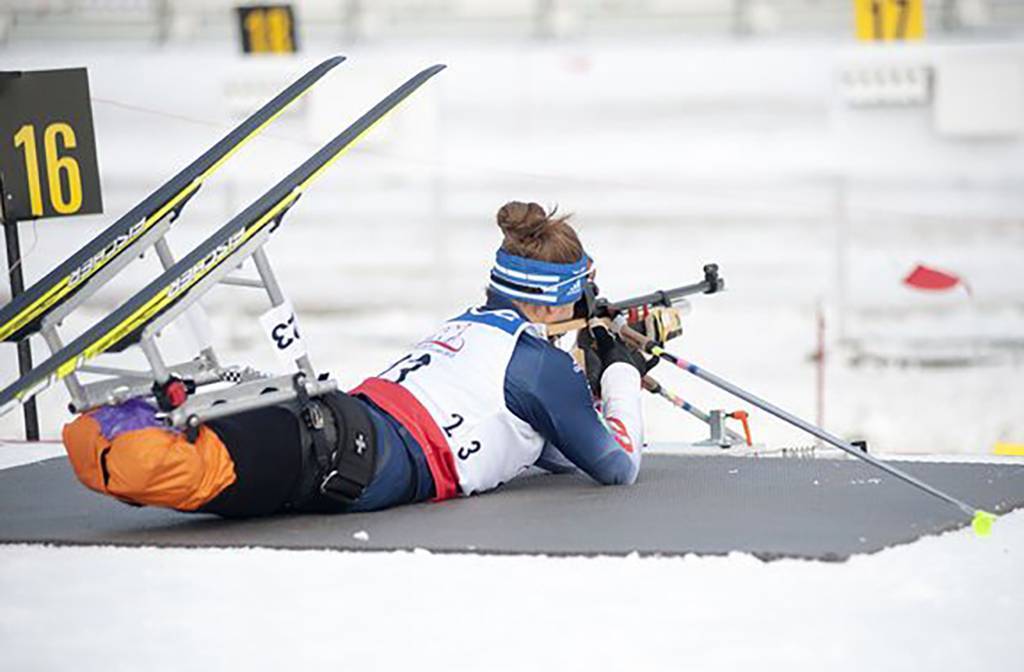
541, 282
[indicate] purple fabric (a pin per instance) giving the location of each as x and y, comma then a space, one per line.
126, 417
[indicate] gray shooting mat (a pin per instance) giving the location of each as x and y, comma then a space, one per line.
826, 509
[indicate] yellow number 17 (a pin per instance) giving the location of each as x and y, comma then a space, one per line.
64, 204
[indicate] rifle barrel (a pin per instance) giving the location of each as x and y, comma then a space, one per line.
663, 297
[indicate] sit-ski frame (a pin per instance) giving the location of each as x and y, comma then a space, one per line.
140, 319
178, 289
250, 389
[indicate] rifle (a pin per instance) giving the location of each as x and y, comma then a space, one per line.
620, 318
592, 306
657, 315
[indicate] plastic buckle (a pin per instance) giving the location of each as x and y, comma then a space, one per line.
327, 479
339, 494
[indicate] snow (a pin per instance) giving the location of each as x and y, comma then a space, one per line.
13, 454
953, 602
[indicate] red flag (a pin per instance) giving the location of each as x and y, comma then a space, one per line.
923, 277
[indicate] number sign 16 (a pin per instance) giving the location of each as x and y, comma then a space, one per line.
63, 203
48, 161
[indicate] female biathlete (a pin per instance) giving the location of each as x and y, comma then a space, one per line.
470, 407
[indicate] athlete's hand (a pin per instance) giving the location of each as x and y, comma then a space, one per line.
611, 350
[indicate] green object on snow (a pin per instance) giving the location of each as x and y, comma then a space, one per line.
982, 523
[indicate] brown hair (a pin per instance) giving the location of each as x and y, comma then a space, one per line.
531, 232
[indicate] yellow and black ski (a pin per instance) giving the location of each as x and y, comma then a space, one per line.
22, 316
224, 250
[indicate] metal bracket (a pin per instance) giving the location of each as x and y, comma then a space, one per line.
721, 436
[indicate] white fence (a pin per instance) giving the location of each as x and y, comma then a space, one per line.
347, 21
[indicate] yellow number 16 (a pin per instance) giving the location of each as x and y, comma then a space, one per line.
64, 204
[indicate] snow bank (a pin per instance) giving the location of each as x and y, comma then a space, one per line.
950, 602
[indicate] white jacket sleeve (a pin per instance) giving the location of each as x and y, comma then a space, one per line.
623, 409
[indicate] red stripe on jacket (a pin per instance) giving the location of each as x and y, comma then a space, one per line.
401, 405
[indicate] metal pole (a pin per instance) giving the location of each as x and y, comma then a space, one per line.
981, 520
842, 253
820, 433
156, 362
276, 295
654, 387
54, 342
197, 319
819, 358
17, 287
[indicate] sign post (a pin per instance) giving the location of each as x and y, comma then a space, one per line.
24, 347
47, 167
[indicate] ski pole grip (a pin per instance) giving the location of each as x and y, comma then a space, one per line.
650, 384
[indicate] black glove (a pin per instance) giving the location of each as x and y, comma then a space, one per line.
601, 349
610, 349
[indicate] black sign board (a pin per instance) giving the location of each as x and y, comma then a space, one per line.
267, 29
47, 145
47, 167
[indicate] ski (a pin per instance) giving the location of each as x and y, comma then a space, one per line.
24, 314
217, 256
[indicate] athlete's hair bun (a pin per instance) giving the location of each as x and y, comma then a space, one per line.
532, 232
522, 221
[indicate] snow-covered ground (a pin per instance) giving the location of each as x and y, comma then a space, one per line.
953, 602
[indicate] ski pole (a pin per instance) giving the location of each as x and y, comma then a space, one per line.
654, 387
981, 520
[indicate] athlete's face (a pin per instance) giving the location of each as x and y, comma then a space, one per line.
550, 314
561, 313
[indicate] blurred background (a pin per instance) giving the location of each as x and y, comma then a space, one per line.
817, 165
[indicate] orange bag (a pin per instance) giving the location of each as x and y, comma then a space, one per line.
151, 466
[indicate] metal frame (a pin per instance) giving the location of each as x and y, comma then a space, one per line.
80, 398
247, 388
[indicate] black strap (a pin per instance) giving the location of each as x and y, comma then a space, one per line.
355, 460
313, 418
346, 464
